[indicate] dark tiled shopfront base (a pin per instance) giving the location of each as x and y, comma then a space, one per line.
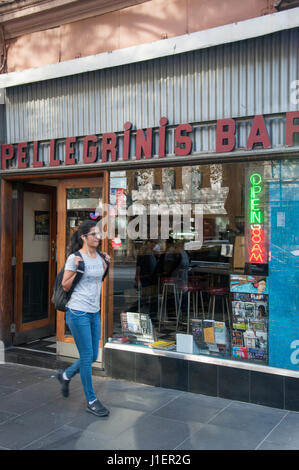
261, 388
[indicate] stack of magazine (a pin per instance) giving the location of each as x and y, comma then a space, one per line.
166, 345
137, 327
210, 337
249, 337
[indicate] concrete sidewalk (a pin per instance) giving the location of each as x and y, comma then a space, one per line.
34, 415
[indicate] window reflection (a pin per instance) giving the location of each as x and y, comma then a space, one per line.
186, 270
152, 274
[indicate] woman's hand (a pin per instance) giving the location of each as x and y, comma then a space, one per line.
107, 257
77, 260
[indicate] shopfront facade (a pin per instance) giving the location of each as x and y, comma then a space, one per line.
190, 165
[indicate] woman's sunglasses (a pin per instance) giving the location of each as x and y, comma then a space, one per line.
93, 234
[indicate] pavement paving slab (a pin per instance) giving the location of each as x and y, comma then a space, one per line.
34, 415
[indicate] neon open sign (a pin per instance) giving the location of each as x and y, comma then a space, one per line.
257, 252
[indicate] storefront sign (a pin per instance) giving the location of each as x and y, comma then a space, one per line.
257, 252
256, 256
114, 147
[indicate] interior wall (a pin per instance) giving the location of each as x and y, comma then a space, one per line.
34, 250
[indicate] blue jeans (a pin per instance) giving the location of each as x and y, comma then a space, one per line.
86, 330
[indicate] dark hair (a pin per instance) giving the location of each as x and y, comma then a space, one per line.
76, 241
262, 309
256, 283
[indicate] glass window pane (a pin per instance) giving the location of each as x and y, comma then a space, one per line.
202, 251
82, 203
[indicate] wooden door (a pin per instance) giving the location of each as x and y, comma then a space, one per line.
6, 236
35, 262
77, 200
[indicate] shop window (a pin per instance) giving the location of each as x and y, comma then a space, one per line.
199, 254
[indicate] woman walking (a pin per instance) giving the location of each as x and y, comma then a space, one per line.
83, 310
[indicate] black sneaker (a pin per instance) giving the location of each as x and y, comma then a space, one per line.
64, 383
97, 409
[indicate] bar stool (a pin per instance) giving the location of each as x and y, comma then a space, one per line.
139, 296
223, 292
169, 286
193, 287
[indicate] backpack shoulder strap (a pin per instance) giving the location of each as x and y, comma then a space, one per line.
80, 272
80, 268
107, 264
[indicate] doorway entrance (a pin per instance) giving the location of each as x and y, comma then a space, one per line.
35, 261
45, 212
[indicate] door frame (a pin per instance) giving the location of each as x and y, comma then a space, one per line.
6, 286
61, 244
46, 325
6, 236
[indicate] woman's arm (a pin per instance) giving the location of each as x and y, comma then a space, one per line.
67, 280
69, 276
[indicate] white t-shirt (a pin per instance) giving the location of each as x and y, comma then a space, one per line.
86, 296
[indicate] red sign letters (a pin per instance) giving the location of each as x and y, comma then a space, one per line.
107, 147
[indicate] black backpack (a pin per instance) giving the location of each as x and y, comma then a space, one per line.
60, 297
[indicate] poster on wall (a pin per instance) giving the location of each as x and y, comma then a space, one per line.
41, 225
120, 197
248, 284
